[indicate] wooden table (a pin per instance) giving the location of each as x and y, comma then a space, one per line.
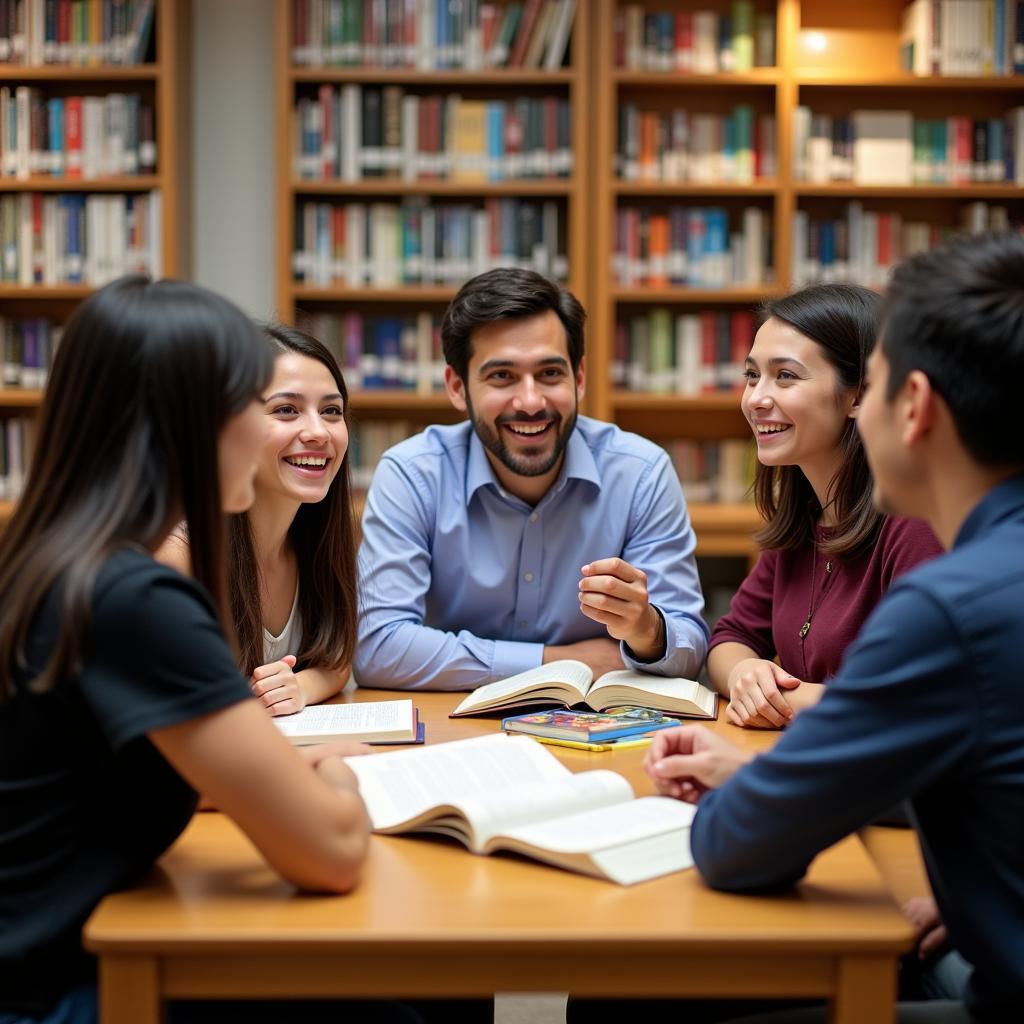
430, 919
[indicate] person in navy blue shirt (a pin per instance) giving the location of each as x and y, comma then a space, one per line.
929, 702
527, 533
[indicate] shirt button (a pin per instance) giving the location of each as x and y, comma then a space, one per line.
533, 517
528, 577
523, 623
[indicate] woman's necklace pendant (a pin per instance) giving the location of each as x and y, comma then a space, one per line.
805, 629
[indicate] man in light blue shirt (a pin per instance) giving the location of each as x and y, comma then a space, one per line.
527, 533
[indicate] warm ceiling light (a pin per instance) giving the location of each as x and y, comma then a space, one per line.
816, 42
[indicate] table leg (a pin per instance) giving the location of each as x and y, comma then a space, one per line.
865, 991
129, 993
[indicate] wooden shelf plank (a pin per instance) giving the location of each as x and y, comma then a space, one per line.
443, 77
42, 291
406, 293
399, 400
716, 517
77, 73
643, 401
676, 79
20, 398
974, 191
765, 187
844, 80
437, 187
745, 296
132, 183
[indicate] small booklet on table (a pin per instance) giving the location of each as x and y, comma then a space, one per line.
571, 683
503, 792
385, 721
589, 726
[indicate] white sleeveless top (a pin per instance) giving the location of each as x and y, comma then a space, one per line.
276, 647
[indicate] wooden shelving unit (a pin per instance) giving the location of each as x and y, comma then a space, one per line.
827, 56
571, 193
165, 81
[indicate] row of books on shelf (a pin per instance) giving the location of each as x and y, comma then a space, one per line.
692, 246
77, 32
378, 352
359, 132
386, 245
431, 34
27, 346
708, 470
16, 437
962, 37
53, 239
713, 470
368, 441
687, 354
893, 147
698, 42
678, 145
863, 246
75, 136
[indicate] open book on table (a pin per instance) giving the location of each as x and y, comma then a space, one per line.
572, 684
383, 721
503, 792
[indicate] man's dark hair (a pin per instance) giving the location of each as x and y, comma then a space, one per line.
507, 293
957, 314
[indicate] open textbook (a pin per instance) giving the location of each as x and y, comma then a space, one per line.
572, 683
509, 793
383, 721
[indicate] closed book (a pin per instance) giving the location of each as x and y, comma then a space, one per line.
469, 141
388, 721
883, 150
589, 726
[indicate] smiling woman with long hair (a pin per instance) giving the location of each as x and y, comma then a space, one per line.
119, 695
291, 555
829, 555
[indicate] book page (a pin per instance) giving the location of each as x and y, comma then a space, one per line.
509, 808
602, 830
355, 720
668, 689
573, 674
403, 785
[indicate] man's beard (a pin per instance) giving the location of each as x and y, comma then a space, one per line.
495, 443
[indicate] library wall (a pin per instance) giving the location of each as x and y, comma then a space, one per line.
232, 151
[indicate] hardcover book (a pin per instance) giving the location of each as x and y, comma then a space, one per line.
502, 792
570, 683
589, 726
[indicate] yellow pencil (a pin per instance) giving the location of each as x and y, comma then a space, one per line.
582, 745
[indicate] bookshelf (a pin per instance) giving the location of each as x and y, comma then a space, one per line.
562, 189
159, 81
833, 58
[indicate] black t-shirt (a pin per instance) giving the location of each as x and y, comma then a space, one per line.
87, 804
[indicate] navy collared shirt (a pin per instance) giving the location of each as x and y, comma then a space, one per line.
462, 583
928, 705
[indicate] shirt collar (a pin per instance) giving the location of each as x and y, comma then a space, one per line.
579, 464
1002, 502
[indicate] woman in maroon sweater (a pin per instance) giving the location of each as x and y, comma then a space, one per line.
829, 555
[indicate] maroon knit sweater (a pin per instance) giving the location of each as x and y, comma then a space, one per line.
772, 604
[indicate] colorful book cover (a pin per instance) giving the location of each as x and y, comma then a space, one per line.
588, 726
